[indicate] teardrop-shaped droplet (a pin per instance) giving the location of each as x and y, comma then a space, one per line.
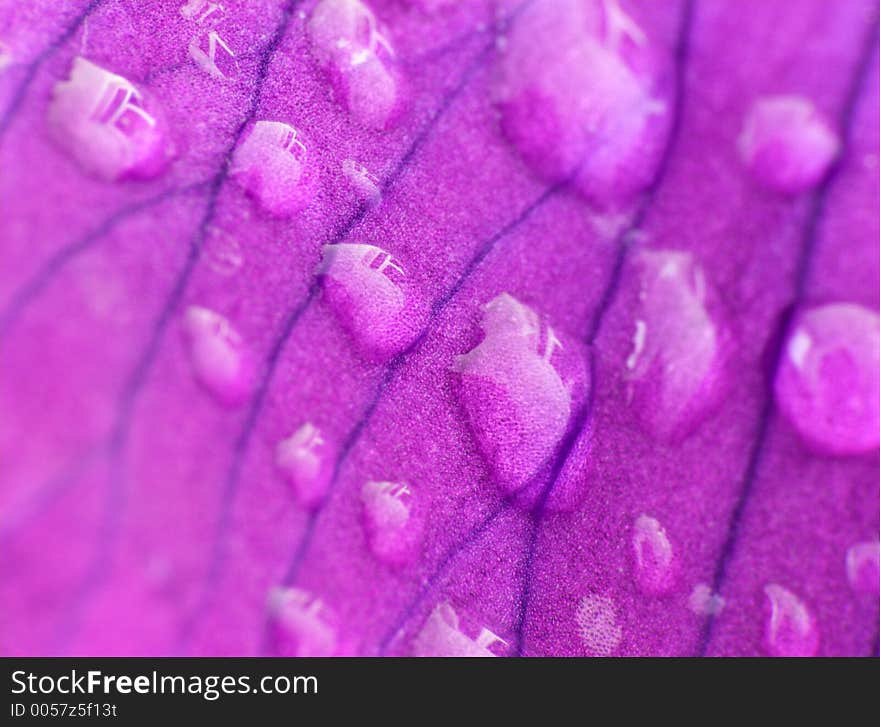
306, 459
655, 566
442, 636
863, 567
392, 521
304, 626
220, 359
104, 122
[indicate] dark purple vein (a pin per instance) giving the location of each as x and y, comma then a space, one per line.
802, 272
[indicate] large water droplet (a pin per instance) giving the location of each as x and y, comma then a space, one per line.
220, 359
680, 345
829, 376
272, 164
368, 290
304, 626
348, 41
655, 566
306, 460
104, 122
786, 144
790, 629
392, 521
596, 619
576, 95
863, 567
519, 387
442, 636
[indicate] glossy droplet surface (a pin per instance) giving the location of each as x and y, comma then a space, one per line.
306, 460
790, 629
596, 619
365, 184
518, 387
392, 522
369, 293
442, 636
829, 378
575, 90
347, 39
304, 625
786, 144
654, 560
272, 164
863, 567
676, 367
221, 361
102, 120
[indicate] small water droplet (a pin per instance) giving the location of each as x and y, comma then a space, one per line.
392, 521
369, 293
442, 636
863, 567
596, 619
304, 625
306, 460
829, 376
366, 184
704, 602
220, 359
349, 42
678, 363
104, 122
222, 252
790, 629
786, 144
272, 164
654, 558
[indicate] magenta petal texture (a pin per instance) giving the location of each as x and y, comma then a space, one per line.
422, 327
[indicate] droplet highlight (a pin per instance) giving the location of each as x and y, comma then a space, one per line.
222, 363
790, 629
369, 292
786, 143
304, 626
829, 376
272, 164
104, 122
442, 636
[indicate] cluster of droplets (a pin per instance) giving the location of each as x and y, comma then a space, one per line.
521, 384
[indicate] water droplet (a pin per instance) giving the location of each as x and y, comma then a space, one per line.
103, 121
222, 252
654, 559
304, 625
518, 387
368, 290
200, 10
863, 567
703, 602
306, 460
786, 144
596, 619
213, 55
442, 636
829, 376
348, 41
677, 365
6, 56
575, 90
221, 362
272, 164
366, 184
392, 521
790, 628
